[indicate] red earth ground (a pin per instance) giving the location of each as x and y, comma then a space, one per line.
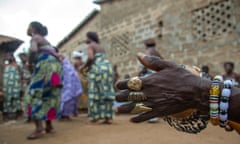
122, 131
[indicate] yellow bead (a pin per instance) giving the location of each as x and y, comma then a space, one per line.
215, 90
214, 121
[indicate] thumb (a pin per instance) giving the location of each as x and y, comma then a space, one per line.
153, 62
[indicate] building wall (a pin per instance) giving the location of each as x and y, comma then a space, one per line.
193, 32
2, 56
77, 41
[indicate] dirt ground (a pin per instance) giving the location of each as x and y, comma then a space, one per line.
121, 132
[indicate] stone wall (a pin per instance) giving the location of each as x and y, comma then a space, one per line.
193, 32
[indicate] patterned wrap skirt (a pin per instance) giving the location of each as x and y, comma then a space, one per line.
11, 89
45, 88
101, 93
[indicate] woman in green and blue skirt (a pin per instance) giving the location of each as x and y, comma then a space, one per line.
11, 90
46, 81
101, 93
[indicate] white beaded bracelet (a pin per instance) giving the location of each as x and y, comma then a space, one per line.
224, 103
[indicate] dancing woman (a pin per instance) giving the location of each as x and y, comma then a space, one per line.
101, 93
11, 90
45, 85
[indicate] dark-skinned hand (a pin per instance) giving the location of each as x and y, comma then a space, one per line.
172, 89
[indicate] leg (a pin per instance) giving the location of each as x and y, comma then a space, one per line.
5, 116
67, 109
75, 113
28, 113
108, 112
19, 114
12, 116
93, 112
38, 132
49, 127
28, 120
65, 118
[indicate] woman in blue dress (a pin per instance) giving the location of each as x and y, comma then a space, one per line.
46, 81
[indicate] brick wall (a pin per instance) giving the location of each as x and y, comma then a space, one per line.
194, 32
77, 41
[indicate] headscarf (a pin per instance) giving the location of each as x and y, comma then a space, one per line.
77, 54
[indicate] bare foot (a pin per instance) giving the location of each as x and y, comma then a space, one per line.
36, 134
28, 120
65, 118
75, 115
93, 122
50, 130
107, 121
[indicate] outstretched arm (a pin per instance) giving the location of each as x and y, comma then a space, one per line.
172, 89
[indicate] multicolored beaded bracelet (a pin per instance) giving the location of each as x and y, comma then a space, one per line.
214, 101
224, 103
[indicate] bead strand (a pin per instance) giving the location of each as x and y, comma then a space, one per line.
214, 102
224, 103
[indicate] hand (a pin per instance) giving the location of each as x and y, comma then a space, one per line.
81, 68
61, 57
172, 89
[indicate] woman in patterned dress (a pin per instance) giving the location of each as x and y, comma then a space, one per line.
101, 93
46, 80
11, 89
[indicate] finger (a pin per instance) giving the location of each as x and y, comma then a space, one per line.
152, 62
141, 108
122, 85
126, 108
130, 96
145, 116
134, 84
134, 108
122, 96
194, 70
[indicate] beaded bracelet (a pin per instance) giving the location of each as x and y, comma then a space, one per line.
214, 101
224, 103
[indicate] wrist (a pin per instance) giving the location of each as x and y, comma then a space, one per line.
234, 107
203, 99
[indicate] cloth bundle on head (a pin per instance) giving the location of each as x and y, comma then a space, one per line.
77, 54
